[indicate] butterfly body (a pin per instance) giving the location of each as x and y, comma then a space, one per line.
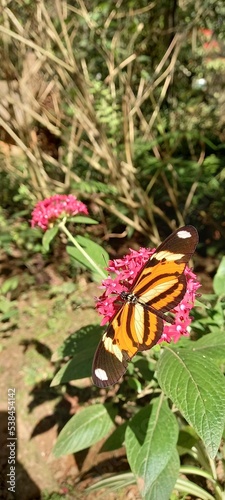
138, 324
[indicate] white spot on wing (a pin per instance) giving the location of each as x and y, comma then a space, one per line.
101, 374
183, 234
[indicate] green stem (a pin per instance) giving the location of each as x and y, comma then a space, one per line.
63, 227
219, 494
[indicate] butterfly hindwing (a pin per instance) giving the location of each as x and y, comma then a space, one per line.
138, 324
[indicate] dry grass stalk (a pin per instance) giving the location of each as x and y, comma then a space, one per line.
51, 69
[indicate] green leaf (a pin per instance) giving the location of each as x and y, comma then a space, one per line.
135, 384
187, 439
150, 441
113, 483
95, 251
116, 439
166, 480
219, 279
78, 341
196, 386
75, 369
63, 289
145, 367
212, 345
188, 488
84, 429
9, 315
82, 344
82, 219
48, 237
9, 285
216, 316
5, 305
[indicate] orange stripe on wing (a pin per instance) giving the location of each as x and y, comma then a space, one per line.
152, 330
166, 295
121, 331
162, 271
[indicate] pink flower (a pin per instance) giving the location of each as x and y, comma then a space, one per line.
56, 207
126, 270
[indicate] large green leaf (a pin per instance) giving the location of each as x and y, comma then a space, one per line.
84, 429
94, 251
82, 346
196, 386
150, 441
78, 341
163, 485
212, 344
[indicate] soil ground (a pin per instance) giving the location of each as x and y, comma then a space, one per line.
46, 316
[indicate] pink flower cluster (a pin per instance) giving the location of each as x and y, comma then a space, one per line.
56, 207
126, 270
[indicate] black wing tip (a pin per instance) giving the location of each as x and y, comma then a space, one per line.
107, 369
102, 380
192, 230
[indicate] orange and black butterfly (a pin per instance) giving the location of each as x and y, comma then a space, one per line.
138, 324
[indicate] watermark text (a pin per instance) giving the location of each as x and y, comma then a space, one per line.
11, 440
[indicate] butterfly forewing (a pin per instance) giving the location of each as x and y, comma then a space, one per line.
158, 288
107, 368
162, 284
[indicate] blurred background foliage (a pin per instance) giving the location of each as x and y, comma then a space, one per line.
120, 103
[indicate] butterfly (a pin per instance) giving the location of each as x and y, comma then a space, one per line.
138, 324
